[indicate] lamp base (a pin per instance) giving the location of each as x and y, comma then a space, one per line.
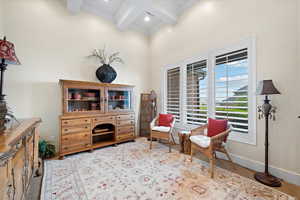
267, 179
3, 113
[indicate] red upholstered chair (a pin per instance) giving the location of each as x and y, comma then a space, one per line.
162, 129
209, 145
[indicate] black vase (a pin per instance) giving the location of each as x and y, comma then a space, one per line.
106, 74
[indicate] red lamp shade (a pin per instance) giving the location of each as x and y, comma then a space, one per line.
7, 52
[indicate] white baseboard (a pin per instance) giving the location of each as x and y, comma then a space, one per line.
288, 176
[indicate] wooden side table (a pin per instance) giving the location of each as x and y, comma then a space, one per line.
185, 142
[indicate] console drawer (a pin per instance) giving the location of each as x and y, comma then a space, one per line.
75, 129
125, 136
78, 138
74, 122
74, 147
104, 118
125, 129
125, 117
125, 123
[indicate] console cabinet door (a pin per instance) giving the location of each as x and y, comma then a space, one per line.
29, 162
18, 173
119, 100
83, 100
6, 187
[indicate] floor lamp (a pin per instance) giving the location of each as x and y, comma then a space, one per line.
267, 111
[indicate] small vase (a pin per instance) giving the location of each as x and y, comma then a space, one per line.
106, 74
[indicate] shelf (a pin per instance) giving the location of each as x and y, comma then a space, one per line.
83, 100
86, 111
104, 143
103, 133
101, 130
118, 100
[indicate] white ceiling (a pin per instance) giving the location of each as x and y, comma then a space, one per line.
130, 14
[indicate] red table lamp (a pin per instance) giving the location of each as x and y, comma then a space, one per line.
7, 56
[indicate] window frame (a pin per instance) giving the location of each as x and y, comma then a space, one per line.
210, 57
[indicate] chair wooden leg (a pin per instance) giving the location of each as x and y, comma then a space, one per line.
169, 145
212, 167
192, 153
229, 158
227, 154
150, 142
173, 139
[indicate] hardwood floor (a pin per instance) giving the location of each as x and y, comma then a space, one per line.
287, 188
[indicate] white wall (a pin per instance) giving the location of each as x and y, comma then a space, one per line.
52, 44
216, 24
298, 11
1, 18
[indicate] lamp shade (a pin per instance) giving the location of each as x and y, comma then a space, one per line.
266, 87
7, 52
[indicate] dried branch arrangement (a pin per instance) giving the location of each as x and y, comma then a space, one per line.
103, 57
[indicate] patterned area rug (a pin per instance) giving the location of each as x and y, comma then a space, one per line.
131, 171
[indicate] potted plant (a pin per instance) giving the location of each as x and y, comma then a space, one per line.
105, 73
46, 150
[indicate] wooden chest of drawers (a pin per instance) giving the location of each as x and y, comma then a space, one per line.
125, 127
76, 134
95, 115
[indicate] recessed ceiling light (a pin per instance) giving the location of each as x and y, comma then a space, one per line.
147, 18
106, 0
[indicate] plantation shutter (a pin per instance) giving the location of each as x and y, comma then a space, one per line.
173, 92
231, 89
196, 93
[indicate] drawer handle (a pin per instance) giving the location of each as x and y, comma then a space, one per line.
65, 122
86, 135
86, 120
86, 127
66, 148
66, 139
95, 119
66, 129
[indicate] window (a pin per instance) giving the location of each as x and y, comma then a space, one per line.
173, 92
196, 93
220, 85
231, 89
